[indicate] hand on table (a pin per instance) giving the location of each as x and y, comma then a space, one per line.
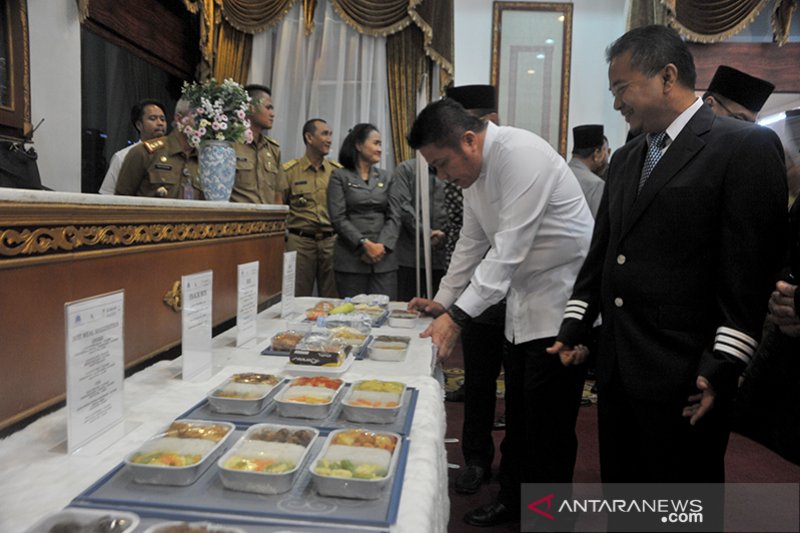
424, 305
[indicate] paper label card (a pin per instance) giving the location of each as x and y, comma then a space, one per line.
196, 320
247, 303
95, 368
287, 294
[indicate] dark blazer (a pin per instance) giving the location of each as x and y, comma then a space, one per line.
360, 209
682, 273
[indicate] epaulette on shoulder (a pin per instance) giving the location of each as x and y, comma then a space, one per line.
290, 164
336, 163
154, 144
273, 141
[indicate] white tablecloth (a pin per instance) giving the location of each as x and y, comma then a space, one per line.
39, 477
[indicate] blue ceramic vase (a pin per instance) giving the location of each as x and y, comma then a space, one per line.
217, 169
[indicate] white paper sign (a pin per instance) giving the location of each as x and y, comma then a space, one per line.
247, 303
95, 369
287, 294
196, 291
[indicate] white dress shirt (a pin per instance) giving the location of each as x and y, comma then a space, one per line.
528, 210
110, 181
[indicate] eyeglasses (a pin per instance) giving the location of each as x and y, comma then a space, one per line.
737, 116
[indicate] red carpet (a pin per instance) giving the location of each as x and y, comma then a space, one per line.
746, 462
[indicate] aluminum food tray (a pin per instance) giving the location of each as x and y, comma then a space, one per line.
262, 482
361, 489
176, 475
242, 406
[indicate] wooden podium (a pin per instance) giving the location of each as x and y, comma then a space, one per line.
60, 247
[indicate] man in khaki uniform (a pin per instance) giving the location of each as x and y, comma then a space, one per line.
259, 177
310, 230
164, 167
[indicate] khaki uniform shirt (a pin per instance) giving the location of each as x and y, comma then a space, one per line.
160, 168
259, 176
308, 194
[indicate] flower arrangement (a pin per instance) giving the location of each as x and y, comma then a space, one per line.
218, 112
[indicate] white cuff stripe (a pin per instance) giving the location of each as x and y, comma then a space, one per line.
722, 330
573, 315
578, 303
573, 309
733, 351
745, 348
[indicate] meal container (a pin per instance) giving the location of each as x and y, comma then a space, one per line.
381, 300
181, 438
350, 336
291, 445
243, 394
373, 406
402, 319
194, 527
74, 519
358, 456
286, 340
300, 387
389, 348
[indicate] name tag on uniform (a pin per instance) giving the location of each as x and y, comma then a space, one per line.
300, 182
241, 158
161, 166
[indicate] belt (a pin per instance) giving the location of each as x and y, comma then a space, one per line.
318, 236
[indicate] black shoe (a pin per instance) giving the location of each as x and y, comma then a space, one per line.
456, 395
469, 480
500, 423
491, 514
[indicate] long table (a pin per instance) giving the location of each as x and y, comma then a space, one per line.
39, 477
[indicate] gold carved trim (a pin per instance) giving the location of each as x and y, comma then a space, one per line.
172, 298
16, 242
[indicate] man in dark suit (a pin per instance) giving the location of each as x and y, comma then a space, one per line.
686, 243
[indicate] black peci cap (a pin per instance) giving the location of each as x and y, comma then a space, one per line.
587, 136
483, 97
742, 88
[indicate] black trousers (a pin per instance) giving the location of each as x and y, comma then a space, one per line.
542, 401
649, 441
483, 345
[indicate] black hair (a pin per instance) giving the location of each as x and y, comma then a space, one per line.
311, 127
348, 153
442, 123
137, 111
654, 47
254, 88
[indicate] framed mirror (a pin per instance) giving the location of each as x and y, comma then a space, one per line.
531, 45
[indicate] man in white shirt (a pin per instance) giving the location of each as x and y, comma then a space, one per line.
526, 232
150, 120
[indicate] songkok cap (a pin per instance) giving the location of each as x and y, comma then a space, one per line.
587, 136
742, 88
482, 97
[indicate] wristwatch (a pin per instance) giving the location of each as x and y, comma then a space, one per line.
459, 316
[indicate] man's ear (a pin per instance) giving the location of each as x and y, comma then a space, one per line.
669, 75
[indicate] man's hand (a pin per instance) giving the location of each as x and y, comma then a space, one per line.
701, 403
569, 355
438, 239
429, 307
782, 311
444, 333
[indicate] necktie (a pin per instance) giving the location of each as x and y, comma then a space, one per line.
454, 207
655, 142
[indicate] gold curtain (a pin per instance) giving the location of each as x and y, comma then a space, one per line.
233, 52
254, 16
309, 6
405, 68
645, 12
706, 21
438, 44
782, 14
375, 17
